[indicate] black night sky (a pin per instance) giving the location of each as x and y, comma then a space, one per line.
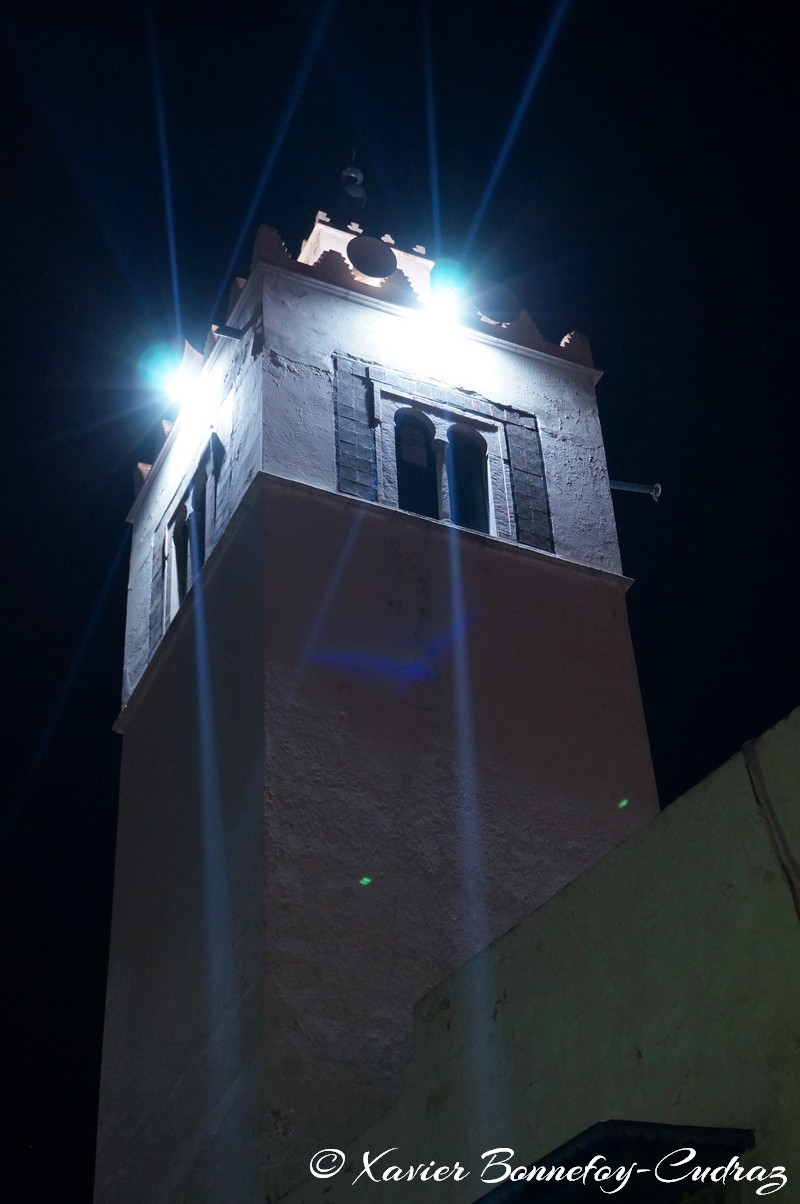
647, 199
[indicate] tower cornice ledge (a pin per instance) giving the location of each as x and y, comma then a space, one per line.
402, 294
264, 481
416, 315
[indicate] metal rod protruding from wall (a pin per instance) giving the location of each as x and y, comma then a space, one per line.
653, 490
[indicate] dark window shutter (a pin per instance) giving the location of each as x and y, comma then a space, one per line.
528, 487
356, 460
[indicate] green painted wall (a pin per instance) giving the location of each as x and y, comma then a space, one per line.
662, 985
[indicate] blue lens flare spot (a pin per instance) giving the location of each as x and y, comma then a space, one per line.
364, 881
447, 277
158, 365
622, 803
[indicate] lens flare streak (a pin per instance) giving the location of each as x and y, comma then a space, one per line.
223, 1001
534, 76
480, 988
76, 664
433, 154
161, 126
401, 672
468, 802
323, 20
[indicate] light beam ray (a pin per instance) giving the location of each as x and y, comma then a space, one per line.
315, 629
76, 430
89, 174
475, 925
166, 179
534, 75
433, 154
306, 64
223, 993
49, 727
468, 803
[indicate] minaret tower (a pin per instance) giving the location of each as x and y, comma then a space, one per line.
379, 704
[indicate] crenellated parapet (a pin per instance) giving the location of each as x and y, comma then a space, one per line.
325, 256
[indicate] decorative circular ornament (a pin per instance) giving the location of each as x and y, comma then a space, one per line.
497, 304
371, 257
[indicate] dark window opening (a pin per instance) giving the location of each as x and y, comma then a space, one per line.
466, 479
417, 477
183, 562
180, 539
187, 542
197, 521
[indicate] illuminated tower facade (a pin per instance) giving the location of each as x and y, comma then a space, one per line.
379, 704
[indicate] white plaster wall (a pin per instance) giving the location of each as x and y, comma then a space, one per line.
181, 1099
273, 410
307, 322
324, 237
335, 688
365, 772
226, 400
663, 985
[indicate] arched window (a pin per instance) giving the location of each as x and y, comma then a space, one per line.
417, 477
180, 557
184, 551
197, 520
466, 479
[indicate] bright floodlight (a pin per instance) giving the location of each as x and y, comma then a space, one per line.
444, 307
161, 368
178, 386
447, 290
447, 276
158, 363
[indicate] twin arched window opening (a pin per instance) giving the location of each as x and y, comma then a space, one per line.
186, 541
423, 476
185, 552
